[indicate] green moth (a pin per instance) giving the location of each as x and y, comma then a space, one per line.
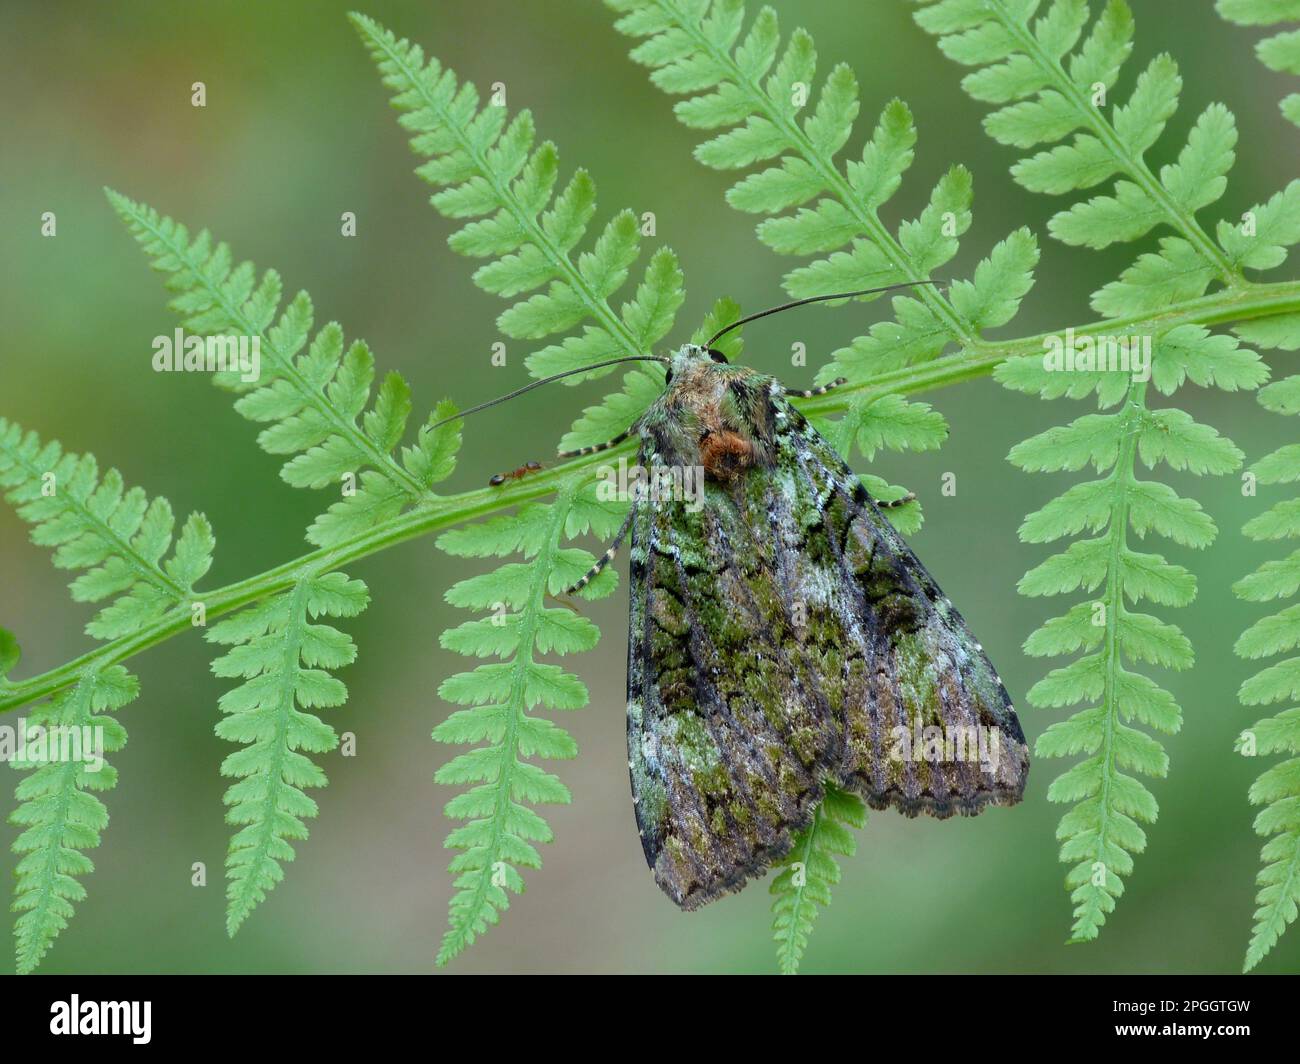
782, 636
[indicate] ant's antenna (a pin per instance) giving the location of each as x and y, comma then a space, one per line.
811, 299
547, 380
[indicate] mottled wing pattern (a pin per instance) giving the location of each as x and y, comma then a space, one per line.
929, 725
781, 636
729, 735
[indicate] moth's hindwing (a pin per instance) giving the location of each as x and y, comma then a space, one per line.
782, 636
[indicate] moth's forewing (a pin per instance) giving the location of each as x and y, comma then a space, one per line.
930, 727
784, 635
728, 735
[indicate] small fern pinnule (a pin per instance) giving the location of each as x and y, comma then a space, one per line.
754, 90
1278, 788
315, 398
1049, 86
1102, 832
116, 535
804, 878
488, 170
1280, 52
501, 828
284, 659
58, 812
119, 540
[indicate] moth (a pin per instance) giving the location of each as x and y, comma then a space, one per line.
782, 635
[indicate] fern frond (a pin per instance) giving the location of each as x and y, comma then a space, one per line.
488, 169
756, 90
1052, 80
284, 659
1049, 87
1280, 52
804, 878
315, 398
1102, 832
1100, 835
115, 535
1278, 788
119, 540
500, 829
58, 812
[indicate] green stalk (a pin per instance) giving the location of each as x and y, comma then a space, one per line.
973, 361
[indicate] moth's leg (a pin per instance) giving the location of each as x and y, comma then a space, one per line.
808, 393
861, 494
605, 558
596, 448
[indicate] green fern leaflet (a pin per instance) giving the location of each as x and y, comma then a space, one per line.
1278, 788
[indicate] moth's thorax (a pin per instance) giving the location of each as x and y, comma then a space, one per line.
697, 381
713, 415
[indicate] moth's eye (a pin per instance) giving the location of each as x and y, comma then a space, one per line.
718, 356
668, 375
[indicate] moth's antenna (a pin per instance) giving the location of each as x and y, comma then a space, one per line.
811, 299
547, 380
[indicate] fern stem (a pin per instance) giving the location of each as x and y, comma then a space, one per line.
834, 180
1135, 167
978, 360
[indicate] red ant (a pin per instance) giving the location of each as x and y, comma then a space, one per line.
515, 474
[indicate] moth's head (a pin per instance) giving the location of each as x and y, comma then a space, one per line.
691, 358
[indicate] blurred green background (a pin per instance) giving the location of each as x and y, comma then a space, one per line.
296, 131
